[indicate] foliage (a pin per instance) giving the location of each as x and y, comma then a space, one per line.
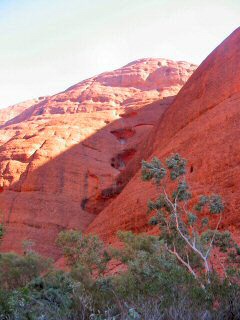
85, 254
46, 297
164, 277
154, 286
2, 226
16, 271
1, 231
184, 230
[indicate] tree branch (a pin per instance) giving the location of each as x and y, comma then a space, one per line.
186, 264
213, 237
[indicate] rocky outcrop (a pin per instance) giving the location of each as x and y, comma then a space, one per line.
11, 112
203, 125
66, 157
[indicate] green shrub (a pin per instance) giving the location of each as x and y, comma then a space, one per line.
85, 254
16, 271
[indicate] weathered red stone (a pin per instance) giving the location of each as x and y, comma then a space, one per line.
64, 158
203, 125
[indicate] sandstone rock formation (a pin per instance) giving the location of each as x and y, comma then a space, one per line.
13, 111
64, 158
203, 125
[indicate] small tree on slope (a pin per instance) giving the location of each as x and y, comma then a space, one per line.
182, 232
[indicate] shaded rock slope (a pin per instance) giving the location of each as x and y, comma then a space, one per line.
203, 125
64, 158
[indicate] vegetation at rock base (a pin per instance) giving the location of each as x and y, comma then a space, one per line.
1, 226
1, 231
167, 277
184, 228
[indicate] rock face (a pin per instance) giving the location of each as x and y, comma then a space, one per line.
64, 158
13, 111
203, 125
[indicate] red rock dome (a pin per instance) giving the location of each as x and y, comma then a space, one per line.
64, 158
203, 125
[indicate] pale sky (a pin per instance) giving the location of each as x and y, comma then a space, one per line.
49, 45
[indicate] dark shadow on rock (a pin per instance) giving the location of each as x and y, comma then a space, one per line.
69, 191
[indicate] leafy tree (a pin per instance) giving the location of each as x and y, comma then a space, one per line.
16, 271
86, 254
184, 232
152, 267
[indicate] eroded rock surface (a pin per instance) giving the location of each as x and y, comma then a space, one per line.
64, 158
203, 125
11, 112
